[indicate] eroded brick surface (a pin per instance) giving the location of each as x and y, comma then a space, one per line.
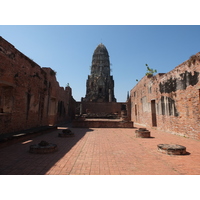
30, 95
170, 101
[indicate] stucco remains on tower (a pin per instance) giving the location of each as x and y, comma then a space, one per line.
100, 85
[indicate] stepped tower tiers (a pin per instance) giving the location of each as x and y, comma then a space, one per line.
100, 85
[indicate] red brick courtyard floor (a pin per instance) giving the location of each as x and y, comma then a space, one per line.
105, 151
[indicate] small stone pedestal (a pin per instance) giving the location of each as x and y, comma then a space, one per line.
66, 133
142, 133
43, 147
172, 149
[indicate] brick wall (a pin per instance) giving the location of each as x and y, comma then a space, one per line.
30, 96
170, 101
100, 108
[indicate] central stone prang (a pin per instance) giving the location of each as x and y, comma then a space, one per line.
142, 133
100, 84
66, 133
43, 147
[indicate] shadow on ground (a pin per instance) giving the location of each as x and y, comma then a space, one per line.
16, 159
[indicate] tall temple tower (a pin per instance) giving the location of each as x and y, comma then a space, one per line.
100, 85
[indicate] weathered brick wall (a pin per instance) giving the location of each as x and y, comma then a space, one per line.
173, 96
102, 107
30, 96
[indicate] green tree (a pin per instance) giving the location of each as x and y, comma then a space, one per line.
150, 71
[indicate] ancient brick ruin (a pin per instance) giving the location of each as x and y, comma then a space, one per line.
30, 95
170, 101
100, 101
100, 85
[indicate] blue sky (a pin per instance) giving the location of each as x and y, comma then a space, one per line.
68, 50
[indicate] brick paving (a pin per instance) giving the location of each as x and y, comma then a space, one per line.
105, 151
